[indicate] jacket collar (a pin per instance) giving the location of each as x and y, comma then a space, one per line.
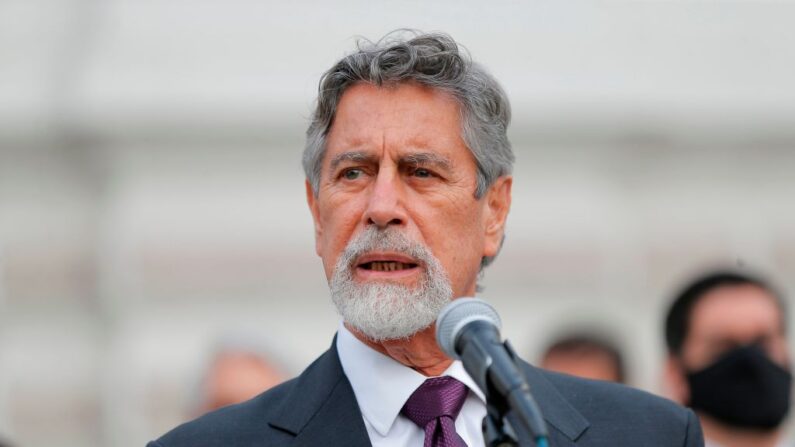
321, 408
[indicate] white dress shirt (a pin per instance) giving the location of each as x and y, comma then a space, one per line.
382, 386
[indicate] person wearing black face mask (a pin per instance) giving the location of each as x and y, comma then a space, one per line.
728, 358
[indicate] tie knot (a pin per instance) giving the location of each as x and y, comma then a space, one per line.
436, 397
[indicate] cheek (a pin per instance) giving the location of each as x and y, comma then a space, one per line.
696, 355
455, 234
780, 352
339, 218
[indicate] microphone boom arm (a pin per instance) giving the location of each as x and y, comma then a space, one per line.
513, 417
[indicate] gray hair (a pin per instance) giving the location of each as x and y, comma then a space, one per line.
436, 61
433, 60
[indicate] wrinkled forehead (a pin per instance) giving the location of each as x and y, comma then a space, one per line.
365, 107
397, 121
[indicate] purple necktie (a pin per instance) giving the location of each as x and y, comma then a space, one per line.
434, 406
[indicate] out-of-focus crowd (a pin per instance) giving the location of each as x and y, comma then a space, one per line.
727, 357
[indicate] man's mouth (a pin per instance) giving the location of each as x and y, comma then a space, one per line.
387, 266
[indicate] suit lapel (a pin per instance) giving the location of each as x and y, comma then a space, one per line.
321, 408
557, 411
337, 423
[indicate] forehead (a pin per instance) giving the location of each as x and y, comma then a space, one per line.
396, 117
741, 312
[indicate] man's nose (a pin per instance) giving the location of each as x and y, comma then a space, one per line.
386, 202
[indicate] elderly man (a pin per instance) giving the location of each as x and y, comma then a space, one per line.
408, 179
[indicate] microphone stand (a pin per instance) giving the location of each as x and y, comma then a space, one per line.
514, 421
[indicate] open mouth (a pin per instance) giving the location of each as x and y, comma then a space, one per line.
387, 266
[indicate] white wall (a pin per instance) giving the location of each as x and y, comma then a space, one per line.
151, 197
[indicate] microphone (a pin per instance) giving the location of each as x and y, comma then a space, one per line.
468, 329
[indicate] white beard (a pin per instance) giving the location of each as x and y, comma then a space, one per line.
388, 311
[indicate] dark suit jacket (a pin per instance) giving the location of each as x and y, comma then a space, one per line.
318, 408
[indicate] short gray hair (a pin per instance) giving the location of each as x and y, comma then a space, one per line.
433, 60
436, 61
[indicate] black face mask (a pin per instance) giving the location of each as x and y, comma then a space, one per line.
743, 388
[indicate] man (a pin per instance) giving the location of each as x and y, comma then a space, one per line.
728, 358
408, 180
585, 355
236, 373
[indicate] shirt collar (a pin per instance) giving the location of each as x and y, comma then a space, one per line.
381, 384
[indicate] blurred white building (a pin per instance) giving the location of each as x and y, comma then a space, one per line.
152, 200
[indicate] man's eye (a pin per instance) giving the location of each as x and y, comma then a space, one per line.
352, 174
422, 173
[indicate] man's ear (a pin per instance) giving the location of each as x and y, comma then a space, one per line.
498, 203
311, 200
676, 387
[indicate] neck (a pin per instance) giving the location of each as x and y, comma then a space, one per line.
419, 352
729, 436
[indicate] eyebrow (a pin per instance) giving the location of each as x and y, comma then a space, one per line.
358, 156
425, 159
416, 159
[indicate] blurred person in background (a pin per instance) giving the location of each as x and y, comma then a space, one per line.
408, 168
728, 358
585, 354
236, 373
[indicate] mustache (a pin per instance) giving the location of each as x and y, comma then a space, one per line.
389, 239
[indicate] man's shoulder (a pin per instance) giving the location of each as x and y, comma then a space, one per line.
272, 418
595, 395
245, 423
622, 412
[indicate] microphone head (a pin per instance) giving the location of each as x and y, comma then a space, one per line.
457, 314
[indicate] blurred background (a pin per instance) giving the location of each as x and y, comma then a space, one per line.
152, 201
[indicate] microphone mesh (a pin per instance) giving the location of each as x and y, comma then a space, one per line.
458, 314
